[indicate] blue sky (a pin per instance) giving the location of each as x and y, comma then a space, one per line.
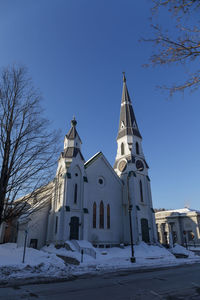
75, 51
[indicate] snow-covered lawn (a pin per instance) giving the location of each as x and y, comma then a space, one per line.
147, 256
177, 249
37, 263
45, 263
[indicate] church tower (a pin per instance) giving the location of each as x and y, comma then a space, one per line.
129, 139
131, 167
66, 218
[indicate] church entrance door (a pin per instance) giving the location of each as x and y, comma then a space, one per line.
74, 228
145, 230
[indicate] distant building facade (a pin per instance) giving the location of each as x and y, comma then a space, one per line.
91, 200
180, 226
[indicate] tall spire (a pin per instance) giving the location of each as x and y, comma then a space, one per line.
127, 123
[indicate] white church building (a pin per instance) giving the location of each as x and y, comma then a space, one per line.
94, 201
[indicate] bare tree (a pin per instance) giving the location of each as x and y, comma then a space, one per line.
28, 150
182, 45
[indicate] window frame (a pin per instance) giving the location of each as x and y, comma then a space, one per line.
141, 192
137, 149
75, 193
122, 148
101, 215
108, 216
94, 217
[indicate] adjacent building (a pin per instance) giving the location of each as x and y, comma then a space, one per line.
180, 226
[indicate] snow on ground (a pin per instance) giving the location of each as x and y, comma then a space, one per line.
37, 263
119, 258
116, 258
62, 251
45, 263
177, 249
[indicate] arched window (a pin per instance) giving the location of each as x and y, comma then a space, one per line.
94, 214
141, 192
101, 215
59, 193
75, 193
56, 194
108, 216
122, 148
137, 148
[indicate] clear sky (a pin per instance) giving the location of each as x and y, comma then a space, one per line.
75, 51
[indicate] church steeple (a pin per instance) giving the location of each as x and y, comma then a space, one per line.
129, 139
72, 142
127, 123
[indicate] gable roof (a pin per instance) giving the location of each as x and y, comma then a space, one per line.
95, 158
92, 159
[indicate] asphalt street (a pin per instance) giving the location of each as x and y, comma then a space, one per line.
173, 283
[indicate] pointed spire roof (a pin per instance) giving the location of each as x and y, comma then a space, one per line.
127, 124
72, 134
72, 142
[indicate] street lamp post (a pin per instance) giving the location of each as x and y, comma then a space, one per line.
185, 238
24, 252
130, 206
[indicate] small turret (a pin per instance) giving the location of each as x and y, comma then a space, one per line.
72, 142
72, 138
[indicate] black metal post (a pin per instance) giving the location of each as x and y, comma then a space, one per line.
186, 242
81, 255
132, 259
26, 233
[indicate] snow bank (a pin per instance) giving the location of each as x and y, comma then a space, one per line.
151, 251
114, 258
37, 263
146, 255
64, 252
45, 263
61, 251
85, 244
177, 249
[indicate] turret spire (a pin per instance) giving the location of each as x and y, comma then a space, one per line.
72, 142
72, 134
127, 124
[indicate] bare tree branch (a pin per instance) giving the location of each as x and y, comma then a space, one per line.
177, 6
28, 150
182, 46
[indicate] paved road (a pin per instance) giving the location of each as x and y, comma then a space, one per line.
174, 283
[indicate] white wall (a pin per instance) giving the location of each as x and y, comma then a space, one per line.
110, 192
37, 228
